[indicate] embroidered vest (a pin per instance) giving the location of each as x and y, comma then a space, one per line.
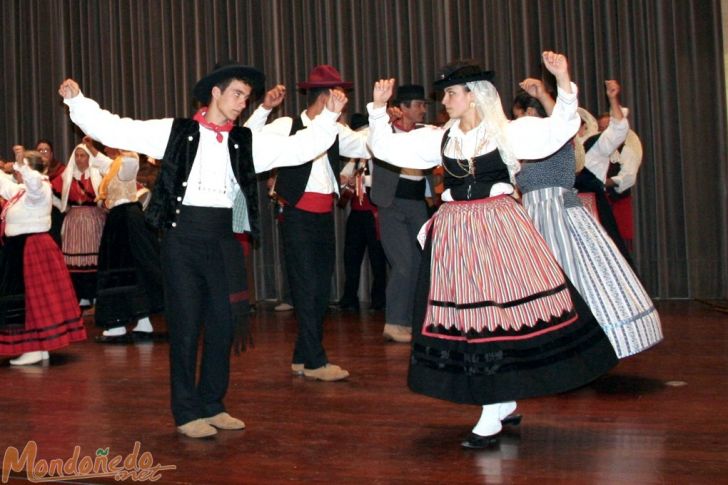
171, 184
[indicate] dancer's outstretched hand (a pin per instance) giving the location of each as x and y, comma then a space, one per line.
337, 100
534, 87
274, 97
612, 88
382, 92
556, 63
69, 89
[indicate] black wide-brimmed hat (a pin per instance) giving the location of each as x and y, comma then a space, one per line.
461, 72
410, 92
228, 70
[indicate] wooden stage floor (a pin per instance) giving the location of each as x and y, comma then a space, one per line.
658, 417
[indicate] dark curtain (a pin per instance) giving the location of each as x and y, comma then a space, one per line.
141, 58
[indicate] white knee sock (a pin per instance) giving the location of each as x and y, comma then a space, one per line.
489, 422
115, 332
144, 325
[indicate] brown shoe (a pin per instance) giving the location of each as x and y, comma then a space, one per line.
297, 369
224, 421
197, 429
328, 373
397, 333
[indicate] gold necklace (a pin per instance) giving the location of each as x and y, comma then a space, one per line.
467, 165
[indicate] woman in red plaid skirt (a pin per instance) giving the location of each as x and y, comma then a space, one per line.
38, 307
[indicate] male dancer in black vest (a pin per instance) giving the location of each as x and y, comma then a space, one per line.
308, 228
206, 162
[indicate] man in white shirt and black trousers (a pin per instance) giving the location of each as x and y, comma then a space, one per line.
308, 192
207, 160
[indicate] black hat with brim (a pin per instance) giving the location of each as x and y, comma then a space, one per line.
410, 92
203, 89
461, 73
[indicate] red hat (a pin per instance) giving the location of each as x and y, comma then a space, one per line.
324, 76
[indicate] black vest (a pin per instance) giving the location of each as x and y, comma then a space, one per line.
291, 181
489, 170
171, 184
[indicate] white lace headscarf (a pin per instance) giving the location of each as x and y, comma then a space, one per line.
490, 109
71, 171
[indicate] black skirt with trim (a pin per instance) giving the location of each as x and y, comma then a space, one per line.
130, 275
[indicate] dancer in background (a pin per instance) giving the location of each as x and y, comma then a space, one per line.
83, 222
588, 256
38, 308
129, 284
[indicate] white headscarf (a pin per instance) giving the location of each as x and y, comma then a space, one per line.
72, 172
490, 109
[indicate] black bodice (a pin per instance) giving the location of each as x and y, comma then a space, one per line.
489, 170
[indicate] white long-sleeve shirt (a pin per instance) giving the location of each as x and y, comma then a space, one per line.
530, 137
322, 180
211, 182
597, 158
629, 160
32, 213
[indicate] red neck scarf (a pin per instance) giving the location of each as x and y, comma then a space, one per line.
218, 129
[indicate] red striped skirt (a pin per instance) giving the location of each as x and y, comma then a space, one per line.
81, 235
492, 275
52, 316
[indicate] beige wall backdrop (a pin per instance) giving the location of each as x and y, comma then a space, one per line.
140, 58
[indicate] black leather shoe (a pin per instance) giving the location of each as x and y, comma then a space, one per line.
513, 420
117, 339
477, 442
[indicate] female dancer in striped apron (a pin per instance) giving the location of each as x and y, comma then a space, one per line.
83, 222
583, 249
38, 307
498, 321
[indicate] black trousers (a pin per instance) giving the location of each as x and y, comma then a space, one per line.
361, 236
195, 293
308, 244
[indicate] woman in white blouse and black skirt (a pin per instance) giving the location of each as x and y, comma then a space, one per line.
496, 319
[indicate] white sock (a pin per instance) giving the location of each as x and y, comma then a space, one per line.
115, 332
489, 422
84, 302
144, 325
506, 409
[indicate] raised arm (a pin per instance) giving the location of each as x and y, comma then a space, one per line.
274, 97
616, 133
533, 138
415, 149
271, 149
149, 137
535, 88
98, 159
